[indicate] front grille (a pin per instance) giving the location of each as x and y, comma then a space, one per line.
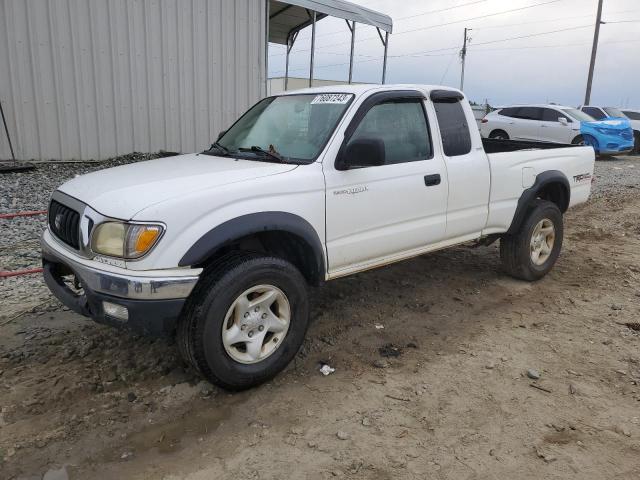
64, 224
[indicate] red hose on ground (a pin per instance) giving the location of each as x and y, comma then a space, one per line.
30, 213
5, 274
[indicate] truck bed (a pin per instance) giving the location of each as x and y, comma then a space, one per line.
492, 145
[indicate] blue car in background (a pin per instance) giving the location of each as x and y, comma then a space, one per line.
608, 135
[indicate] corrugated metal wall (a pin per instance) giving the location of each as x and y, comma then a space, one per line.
91, 79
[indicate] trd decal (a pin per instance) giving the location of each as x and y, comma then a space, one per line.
581, 177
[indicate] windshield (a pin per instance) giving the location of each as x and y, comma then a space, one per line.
632, 115
295, 127
614, 112
578, 115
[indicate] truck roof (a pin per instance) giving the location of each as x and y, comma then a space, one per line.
362, 88
537, 105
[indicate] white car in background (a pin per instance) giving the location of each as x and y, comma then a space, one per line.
542, 123
634, 119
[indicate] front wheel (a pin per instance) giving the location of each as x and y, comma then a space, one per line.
532, 252
245, 321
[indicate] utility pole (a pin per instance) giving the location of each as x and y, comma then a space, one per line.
594, 49
463, 55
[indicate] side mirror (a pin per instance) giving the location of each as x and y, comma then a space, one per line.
563, 121
362, 152
222, 132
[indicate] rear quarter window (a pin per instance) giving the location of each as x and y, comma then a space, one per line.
454, 129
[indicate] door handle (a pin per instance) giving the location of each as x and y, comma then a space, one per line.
431, 180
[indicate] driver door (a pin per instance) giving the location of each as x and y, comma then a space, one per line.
383, 212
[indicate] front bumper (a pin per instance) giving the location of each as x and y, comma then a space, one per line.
153, 299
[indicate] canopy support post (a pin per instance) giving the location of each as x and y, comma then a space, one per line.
291, 39
313, 47
385, 42
352, 28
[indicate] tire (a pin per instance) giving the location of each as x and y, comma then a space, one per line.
218, 297
636, 143
517, 250
578, 140
499, 135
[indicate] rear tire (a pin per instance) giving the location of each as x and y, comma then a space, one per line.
532, 252
499, 135
245, 320
636, 143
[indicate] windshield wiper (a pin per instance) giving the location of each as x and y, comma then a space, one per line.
219, 147
270, 153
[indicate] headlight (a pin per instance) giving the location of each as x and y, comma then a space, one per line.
125, 240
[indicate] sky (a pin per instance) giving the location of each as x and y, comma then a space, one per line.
549, 63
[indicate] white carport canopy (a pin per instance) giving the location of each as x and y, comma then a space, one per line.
288, 18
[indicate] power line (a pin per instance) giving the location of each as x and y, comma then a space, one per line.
426, 52
573, 17
428, 27
476, 18
502, 39
564, 45
622, 21
335, 32
441, 10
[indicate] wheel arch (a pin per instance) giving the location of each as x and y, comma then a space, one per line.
502, 130
280, 233
551, 185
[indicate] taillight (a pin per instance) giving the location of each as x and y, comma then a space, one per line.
484, 120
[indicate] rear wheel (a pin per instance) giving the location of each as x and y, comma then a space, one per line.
636, 143
532, 252
245, 321
499, 135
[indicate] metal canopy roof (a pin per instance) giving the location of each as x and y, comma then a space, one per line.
288, 17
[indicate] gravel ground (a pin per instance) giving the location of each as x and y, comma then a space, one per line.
20, 248
31, 191
616, 172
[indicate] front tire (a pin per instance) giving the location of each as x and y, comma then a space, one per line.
532, 252
245, 321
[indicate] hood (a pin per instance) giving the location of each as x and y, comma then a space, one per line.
610, 123
121, 192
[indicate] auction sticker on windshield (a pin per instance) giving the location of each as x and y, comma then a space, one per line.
339, 98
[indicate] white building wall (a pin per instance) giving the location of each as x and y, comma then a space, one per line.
92, 79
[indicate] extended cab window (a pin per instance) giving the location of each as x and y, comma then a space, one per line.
456, 139
402, 125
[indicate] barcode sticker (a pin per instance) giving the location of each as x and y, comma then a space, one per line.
339, 98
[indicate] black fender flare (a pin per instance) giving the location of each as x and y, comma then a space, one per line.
542, 180
207, 245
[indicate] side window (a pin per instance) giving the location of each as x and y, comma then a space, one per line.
529, 113
594, 112
402, 126
508, 112
551, 115
456, 139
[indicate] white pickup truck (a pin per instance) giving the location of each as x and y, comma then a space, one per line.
219, 247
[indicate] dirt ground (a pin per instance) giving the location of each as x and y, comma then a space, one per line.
450, 400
